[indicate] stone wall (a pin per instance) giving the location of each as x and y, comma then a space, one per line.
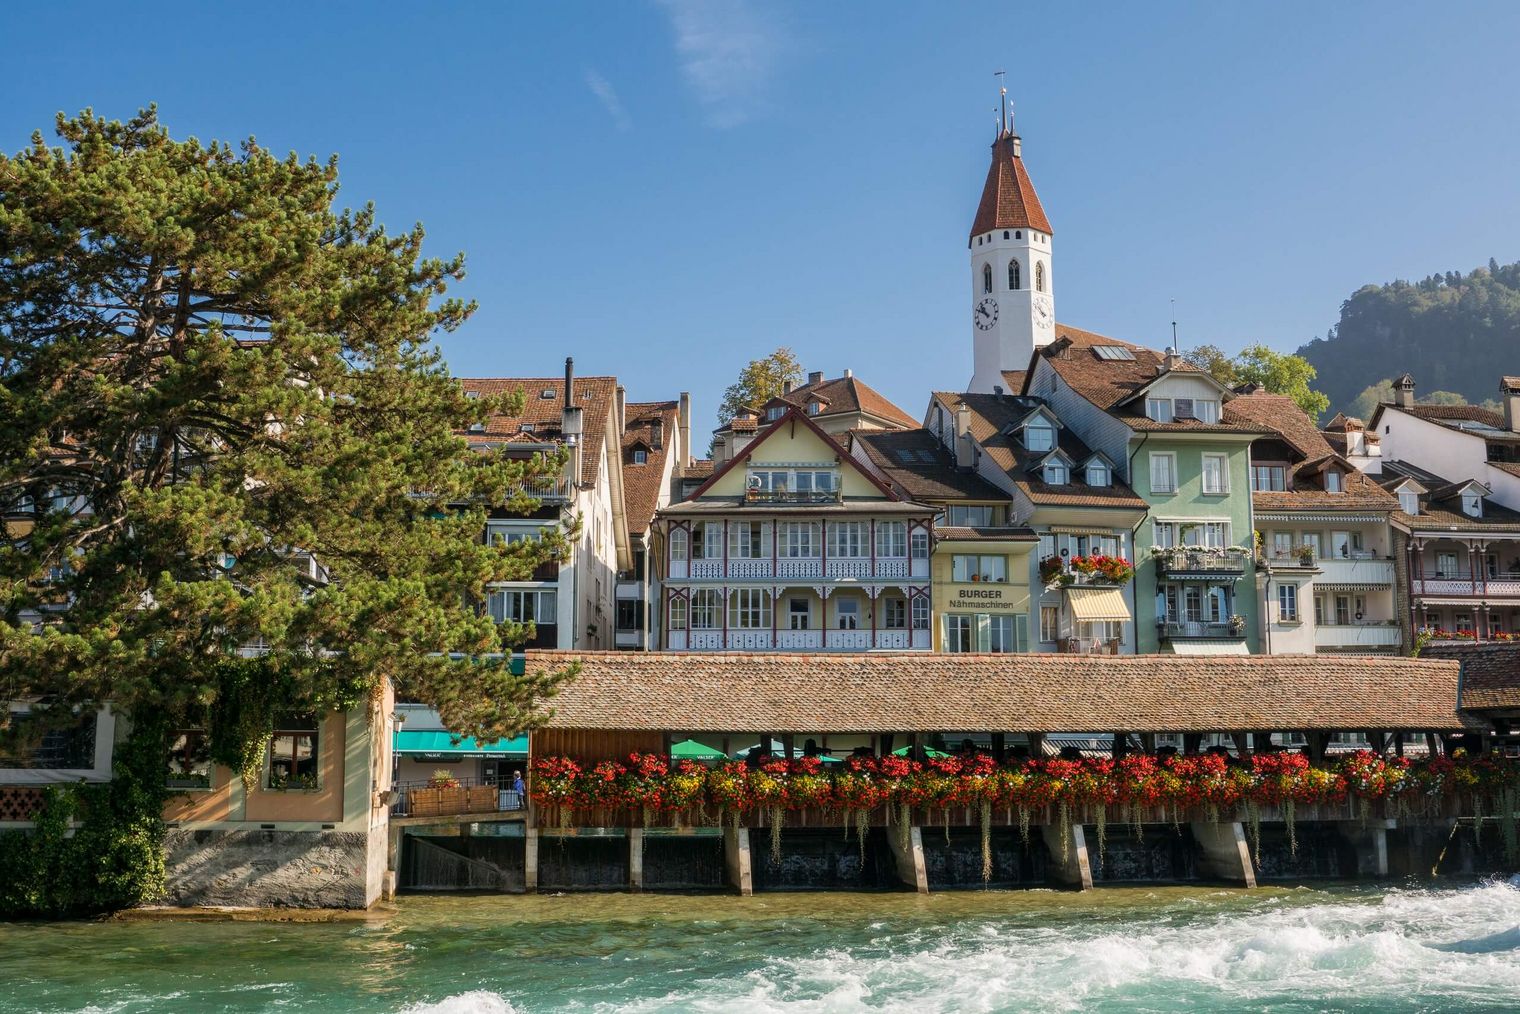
262, 869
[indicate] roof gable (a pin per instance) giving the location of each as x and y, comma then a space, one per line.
783, 429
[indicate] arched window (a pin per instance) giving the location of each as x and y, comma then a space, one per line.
1014, 281
987, 278
677, 545
1039, 276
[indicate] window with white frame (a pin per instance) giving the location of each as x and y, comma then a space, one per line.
678, 539
1163, 472
1472, 505
709, 543
1334, 481
798, 540
969, 515
1097, 473
1101, 631
1206, 411
677, 613
1287, 603
524, 605
1159, 409
1216, 474
799, 614
960, 632
1203, 534
892, 538
640, 457
920, 610
1269, 478
918, 544
1039, 435
774, 412
1446, 564
749, 609
894, 614
1409, 503
1050, 622
847, 613
1055, 473
849, 539
706, 609
748, 540
964, 568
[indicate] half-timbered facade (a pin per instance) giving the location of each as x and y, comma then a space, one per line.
794, 546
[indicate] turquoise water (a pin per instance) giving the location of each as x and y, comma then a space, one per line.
1138, 949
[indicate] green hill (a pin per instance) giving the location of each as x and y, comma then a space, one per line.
1454, 333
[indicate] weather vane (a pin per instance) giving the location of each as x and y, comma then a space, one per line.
1002, 101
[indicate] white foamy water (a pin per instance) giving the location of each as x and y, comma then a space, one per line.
477, 1001
1408, 950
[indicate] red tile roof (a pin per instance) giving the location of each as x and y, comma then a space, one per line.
642, 483
921, 468
1490, 672
844, 395
594, 395
923, 692
1008, 197
1281, 415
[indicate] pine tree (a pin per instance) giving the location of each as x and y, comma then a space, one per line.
224, 421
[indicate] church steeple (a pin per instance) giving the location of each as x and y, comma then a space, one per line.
1012, 291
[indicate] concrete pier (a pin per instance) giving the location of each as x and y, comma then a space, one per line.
530, 860
910, 860
1226, 853
1071, 865
736, 860
1371, 843
636, 859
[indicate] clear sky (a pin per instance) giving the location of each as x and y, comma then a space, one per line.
666, 189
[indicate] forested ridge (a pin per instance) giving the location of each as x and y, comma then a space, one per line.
1453, 332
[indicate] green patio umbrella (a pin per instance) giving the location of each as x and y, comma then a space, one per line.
902, 751
776, 751
690, 749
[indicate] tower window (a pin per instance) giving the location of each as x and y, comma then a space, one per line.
1005, 233
1014, 281
987, 278
1039, 276
1019, 234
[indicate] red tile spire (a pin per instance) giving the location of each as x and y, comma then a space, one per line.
1008, 197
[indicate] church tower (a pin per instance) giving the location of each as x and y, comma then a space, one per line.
1012, 293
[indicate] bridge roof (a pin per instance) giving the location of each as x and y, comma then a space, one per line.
922, 692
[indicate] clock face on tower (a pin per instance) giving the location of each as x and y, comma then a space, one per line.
985, 314
1042, 314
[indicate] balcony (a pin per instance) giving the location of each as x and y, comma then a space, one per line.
1368, 572
801, 569
1507, 587
548, 489
1360, 635
762, 496
1199, 629
799, 640
1189, 562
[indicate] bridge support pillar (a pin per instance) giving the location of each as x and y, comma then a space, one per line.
530, 860
909, 858
636, 859
1226, 853
736, 859
1070, 865
1371, 843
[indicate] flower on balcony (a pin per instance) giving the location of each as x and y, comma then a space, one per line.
1050, 569
1108, 569
443, 778
1237, 623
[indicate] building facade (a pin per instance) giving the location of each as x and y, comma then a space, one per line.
794, 546
655, 453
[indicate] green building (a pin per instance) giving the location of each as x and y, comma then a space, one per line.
1161, 421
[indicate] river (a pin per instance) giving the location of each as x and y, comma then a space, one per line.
1130, 949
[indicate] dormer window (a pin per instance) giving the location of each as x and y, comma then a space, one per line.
546, 394
1409, 503
1097, 474
1055, 473
774, 412
472, 395
814, 408
641, 457
1472, 505
1159, 409
1206, 411
1334, 482
1039, 435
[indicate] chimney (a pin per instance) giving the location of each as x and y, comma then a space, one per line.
787, 385
570, 426
1171, 360
963, 451
622, 410
657, 434
816, 377
1403, 392
1510, 386
848, 374
683, 424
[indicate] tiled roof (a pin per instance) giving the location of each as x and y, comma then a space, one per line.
1013, 381
1008, 197
844, 395
641, 483
929, 472
991, 414
1107, 383
958, 533
594, 395
1287, 422
1438, 514
1456, 413
699, 468
1490, 672
922, 692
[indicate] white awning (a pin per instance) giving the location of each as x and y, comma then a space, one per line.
1209, 648
1097, 604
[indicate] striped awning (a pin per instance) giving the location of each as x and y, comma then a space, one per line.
1097, 604
1209, 648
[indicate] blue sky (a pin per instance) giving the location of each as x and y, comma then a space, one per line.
667, 189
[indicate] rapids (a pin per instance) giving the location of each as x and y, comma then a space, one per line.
1131, 949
